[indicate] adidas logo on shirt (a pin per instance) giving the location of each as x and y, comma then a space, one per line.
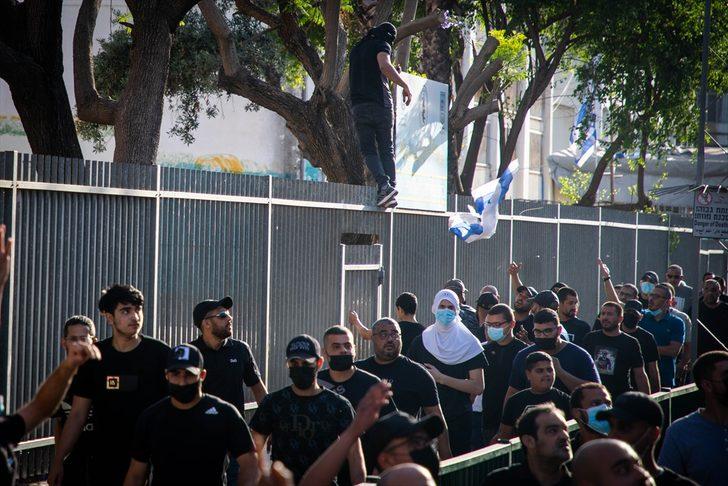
211, 411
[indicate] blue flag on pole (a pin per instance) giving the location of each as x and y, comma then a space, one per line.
589, 144
481, 221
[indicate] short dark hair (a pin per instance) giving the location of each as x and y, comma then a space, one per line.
407, 301
666, 289
544, 316
79, 321
502, 310
617, 308
721, 282
705, 365
565, 292
384, 320
536, 357
558, 285
337, 331
526, 423
120, 294
578, 394
631, 287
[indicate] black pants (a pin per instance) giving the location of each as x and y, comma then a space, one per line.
374, 126
460, 430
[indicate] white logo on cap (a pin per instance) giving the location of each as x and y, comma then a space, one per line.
300, 345
182, 353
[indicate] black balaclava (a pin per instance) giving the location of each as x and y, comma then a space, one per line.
385, 32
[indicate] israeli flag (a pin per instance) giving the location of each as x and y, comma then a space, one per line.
481, 221
589, 145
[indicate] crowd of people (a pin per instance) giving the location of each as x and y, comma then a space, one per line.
134, 410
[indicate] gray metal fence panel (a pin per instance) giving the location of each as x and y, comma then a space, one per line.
652, 252
578, 255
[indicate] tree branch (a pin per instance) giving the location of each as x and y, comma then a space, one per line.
248, 8
590, 196
219, 27
90, 106
536, 39
434, 19
384, 11
403, 50
473, 114
478, 74
332, 53
177, 11
297, 42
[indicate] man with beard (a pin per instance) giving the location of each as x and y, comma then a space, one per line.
228, 362
616, 354
695, 445
414, 390
683, 292
572, 364
128, 379
667, 329
637, 420
609, 462
568, 309
304, 419
186, 436
714, 315
545, 439
585, 401
630, 325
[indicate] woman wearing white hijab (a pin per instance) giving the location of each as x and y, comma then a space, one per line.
455, 359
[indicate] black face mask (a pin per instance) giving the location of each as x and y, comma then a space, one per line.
184, 393
630, 320
341, 362
427, 457
302, 376
545, 343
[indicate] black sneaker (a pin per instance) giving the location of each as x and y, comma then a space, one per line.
385, 193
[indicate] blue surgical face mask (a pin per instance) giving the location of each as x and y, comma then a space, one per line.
647, 287
599, 426
653, 313
445, 316
496, 333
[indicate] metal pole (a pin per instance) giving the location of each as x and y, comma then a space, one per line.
700, 167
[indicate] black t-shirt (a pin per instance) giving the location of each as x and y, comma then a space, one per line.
520, 475
454, 403
354, 388
227, 369
368, 84
469, 316
12, 429
669, 477
189, 446
517, 404
412, 386
84, 445
121, 386
500, 361
576, 329
526, 324
614, 358
717, 321
301, 428
410, 330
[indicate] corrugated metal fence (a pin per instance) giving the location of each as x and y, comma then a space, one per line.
274, 245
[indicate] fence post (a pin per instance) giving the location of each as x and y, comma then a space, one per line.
155, 278
636, 244
455, 247
558, 241
599, 255
390, 270
510, 255
268, 280
11, 289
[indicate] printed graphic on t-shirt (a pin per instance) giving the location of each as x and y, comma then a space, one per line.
605, 359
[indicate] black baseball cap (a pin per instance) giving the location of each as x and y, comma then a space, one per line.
303, 347
185, 357
396, 425
456, 285
650, 277
546, 299
635, 305
529, 290
634, 407
486, 300
201, 309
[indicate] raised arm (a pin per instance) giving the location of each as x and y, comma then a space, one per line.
513, 270
360, 328
607, 279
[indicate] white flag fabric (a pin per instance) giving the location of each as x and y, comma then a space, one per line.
481, 221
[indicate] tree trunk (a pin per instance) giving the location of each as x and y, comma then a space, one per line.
31, 62
642, 200
471, 158
436, 48
590, 196
139, 114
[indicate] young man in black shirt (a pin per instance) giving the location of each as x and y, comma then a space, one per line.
713, 313
120, 387
186, 437
568, 309
637, 420
545, 440
414, 390
485, 302
648, 345
586, 401
370, 71
76, 466
540, 374
405, 310
500, 350
616, 354
304, 419
468, 315
13, 427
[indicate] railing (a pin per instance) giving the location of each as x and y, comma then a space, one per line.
34, 456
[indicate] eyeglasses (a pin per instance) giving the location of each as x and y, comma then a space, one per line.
544, 332
673, 276
496, 324
386, 335
657, 296
221, 315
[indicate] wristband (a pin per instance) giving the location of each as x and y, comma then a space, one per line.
606, 278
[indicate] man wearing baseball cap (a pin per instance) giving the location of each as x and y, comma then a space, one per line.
304, 419
398, 438
468, 315
186, 436
636, 419
647, 284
